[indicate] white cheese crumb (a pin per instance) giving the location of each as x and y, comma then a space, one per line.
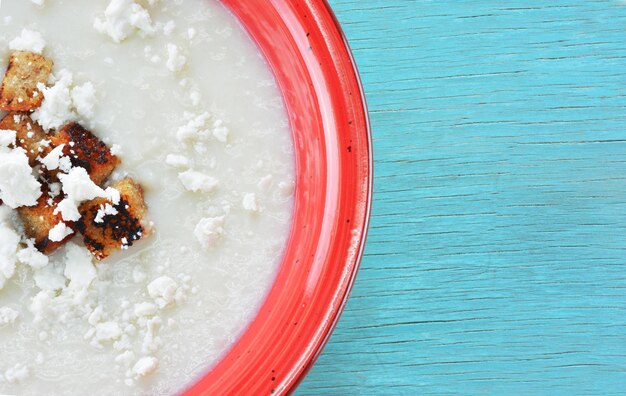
250, 202
107, 331
104, 210
195, 127
38, 2
220, 132
122, 18
191, 33
79, 268
59, 232
18, 186
209, 231
51, 161
32, 257
145, 366
163, 290
116, 149
169, 27
78, 187
56, 108
28, 40
286, 188
265, 183
84, 100
177, 160
17, 373
175, 60
196, 181
195, 98
145, 309
8, 316
7, 137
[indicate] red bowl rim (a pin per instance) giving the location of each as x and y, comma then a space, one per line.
336, 65
370, 188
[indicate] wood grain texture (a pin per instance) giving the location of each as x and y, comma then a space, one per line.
496, 262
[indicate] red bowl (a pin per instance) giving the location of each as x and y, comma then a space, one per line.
313, 65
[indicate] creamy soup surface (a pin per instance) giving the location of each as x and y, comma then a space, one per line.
180, 88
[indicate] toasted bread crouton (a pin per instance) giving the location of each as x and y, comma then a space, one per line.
19, 90
103, 233
29, 135
38, 220
87, 151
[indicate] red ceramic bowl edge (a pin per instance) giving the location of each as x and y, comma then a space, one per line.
322, 90
359, 259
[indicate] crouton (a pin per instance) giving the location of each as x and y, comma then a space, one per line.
87, 151
19, 90
29, 135
105, 234
38, 220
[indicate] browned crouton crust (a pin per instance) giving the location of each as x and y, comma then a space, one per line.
114, 232
29, 135
19, 90
38, 220
85, 150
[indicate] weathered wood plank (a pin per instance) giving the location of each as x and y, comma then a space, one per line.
496, 262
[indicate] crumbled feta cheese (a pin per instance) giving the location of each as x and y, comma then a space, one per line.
38, 2
195, 128
79, 268
286, 188
51, 161
116, 149
28, 40
191, 33
84, 100
16, 374
195, 97
104, 210
163, 290
107, 331
56, 108
55, 189
145, 309
175, 60
113, 195
209, 231
78, 187
145, 366
122, 18
32, 257
177, 160
265, 183
7, 137
8, 316
196, 181
59, 232
250, 202
18, 186
220, 132
169, 27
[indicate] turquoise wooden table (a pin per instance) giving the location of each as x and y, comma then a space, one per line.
496, 262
